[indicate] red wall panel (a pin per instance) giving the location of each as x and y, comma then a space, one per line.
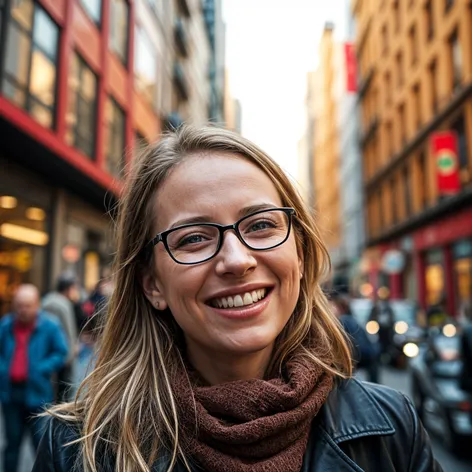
56, 8
117, 80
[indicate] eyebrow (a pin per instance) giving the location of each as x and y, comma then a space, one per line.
208, 219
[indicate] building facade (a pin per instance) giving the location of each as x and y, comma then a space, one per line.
83, 84
326, 153
415, 72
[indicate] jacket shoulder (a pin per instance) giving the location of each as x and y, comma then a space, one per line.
54, 451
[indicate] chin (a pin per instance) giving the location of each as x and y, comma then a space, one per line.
250, 343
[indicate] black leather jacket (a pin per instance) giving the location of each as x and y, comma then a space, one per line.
361, 427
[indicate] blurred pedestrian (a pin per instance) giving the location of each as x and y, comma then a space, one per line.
383, 314
364, 352
61, 303
32, 349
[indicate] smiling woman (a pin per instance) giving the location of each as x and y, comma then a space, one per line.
219, 351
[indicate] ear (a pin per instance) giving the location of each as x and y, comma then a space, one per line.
153, 290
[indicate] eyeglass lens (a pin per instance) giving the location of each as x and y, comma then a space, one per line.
197, 243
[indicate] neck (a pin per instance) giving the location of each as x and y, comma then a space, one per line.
217, 368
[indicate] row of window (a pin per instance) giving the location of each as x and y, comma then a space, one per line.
30, 75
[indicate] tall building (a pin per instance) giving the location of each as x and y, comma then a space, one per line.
216, 33
326, 167
415, 68
82, 84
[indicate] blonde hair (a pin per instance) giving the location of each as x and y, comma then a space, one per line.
127, 402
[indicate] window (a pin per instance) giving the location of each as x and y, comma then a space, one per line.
82, 107
459, 127
417, 106
396, 13
115, 145
433, 84
93, 9
413, 45
385, 39
402, 123
145, 75
30, 62
388, 132
393, 201
406, 190
448, 4
423, 179
380, 210
456, 60
399, 69
429, 19
388, 88
119, 29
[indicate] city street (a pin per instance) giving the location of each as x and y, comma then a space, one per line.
400, 380
393, 378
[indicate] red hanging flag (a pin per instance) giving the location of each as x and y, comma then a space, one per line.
351, 70
444, 146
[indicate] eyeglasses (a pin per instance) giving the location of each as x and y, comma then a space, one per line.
197, 243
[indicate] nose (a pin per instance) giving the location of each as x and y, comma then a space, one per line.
234, 257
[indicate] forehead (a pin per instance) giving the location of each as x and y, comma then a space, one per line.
215, 184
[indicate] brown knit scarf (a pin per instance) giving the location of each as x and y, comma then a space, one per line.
252, 425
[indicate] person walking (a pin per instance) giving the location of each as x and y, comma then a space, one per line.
32, 349
61, 303
219, 351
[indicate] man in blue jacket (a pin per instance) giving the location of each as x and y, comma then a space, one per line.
33, 347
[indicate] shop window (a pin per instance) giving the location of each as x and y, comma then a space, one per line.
433, 84
456, 60
145, 70
381, 218
31, 61
435, 281
119, 29
93, 9
82, 106
429, 19
115, 120
462, 254
23, 243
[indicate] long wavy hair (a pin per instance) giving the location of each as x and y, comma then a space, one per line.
127, 402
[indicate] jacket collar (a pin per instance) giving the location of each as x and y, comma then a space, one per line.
351, 412
10, 320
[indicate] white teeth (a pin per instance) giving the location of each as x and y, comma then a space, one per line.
247, 298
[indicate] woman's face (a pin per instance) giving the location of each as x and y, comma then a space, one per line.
221, 188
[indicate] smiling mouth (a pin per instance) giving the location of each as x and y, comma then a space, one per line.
239, 300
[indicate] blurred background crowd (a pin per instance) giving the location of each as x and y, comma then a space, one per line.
367, 104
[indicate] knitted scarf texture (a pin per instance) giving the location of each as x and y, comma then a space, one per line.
252, 425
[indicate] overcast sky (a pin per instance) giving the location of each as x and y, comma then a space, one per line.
270, 47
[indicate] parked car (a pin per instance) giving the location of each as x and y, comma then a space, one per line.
445, 409
407, 333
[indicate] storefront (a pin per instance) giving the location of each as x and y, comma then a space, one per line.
25, 233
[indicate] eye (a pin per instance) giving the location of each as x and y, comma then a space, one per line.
191, 239
261, 225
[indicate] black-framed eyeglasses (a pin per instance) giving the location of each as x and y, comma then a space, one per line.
196, 243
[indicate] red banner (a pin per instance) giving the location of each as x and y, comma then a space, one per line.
351, 69
444, 146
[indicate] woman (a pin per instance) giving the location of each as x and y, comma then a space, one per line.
219, 352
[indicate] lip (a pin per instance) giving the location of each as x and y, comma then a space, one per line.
239, 290
246, 311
